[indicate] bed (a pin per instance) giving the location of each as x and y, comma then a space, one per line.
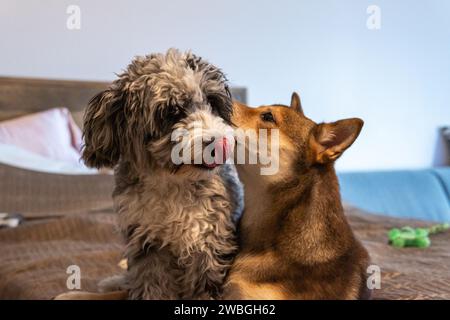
69, 219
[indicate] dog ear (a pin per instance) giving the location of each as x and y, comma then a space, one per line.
101, 129
330, 140
296, 104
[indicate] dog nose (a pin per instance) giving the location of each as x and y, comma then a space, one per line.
222, 150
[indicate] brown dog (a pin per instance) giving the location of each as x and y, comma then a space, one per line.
295, 240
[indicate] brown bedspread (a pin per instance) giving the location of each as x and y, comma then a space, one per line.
407, 273
34, 257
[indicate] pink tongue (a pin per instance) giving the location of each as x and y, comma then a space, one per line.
222, 151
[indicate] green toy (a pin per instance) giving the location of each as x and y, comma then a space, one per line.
414, 237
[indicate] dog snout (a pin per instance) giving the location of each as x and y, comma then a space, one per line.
218, 150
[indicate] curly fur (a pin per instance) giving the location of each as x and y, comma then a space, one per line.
178, 220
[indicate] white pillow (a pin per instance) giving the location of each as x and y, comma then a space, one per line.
21, 158
52, 134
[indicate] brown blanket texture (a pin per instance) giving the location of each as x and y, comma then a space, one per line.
69, 221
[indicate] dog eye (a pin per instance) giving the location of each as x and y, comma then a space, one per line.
174, 114
267, 117
220, 108
148, 137
214, 102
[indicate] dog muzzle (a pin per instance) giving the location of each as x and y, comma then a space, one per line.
222, 151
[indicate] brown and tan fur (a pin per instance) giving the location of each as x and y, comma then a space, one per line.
295, 240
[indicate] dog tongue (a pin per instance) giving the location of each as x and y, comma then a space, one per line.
222, 152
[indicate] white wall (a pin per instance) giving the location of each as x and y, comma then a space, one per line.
397, 78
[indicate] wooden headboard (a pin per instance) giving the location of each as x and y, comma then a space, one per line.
19, 96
